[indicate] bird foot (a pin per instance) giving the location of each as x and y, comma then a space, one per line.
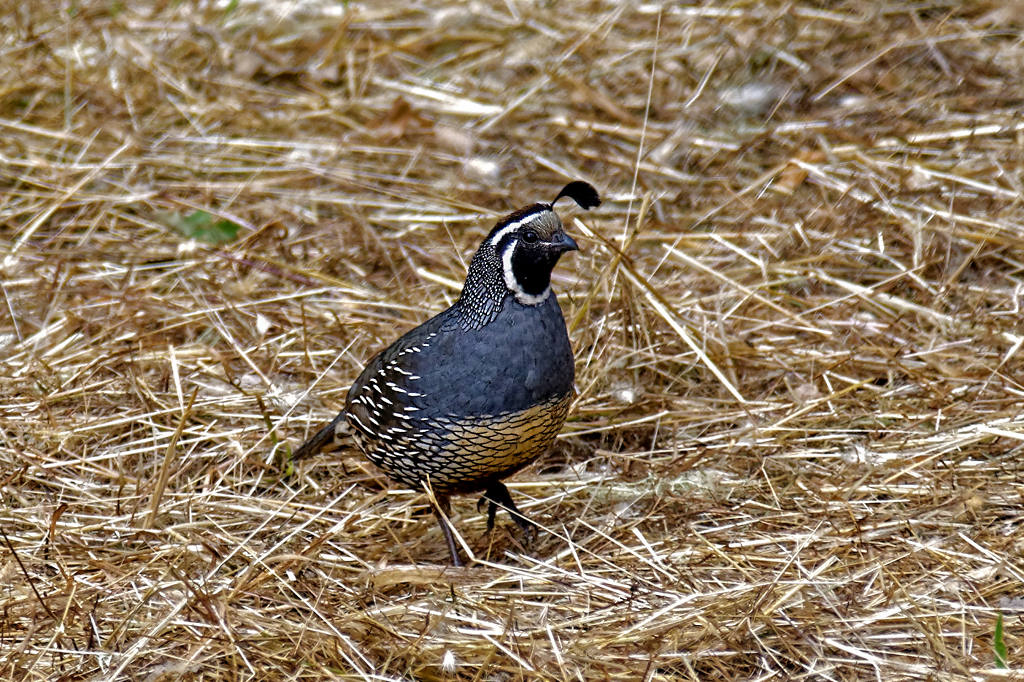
497, 496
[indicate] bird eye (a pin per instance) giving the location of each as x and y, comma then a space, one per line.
530, 236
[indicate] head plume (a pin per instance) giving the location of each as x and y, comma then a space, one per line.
583, 193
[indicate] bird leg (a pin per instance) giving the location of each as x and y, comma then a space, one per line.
443, 511
497, 495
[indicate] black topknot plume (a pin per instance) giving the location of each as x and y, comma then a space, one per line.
583, 193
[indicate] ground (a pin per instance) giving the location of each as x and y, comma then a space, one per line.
796, 449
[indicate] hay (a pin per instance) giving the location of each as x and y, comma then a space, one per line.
796, 450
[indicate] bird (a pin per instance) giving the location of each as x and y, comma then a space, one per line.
477, 392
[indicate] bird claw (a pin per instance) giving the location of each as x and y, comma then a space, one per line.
528, 527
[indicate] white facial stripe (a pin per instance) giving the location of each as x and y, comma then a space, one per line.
516, 225
513, 284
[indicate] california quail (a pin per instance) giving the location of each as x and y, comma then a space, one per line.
476, 393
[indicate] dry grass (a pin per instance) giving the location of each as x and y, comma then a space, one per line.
797, 448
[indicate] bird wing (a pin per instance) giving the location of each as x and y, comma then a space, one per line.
385, 396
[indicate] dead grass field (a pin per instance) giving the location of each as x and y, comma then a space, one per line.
797, 446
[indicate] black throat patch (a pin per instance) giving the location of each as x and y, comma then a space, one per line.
532, 268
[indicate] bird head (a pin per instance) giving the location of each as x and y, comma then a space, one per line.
529, 242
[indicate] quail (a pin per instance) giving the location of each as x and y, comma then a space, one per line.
476, 393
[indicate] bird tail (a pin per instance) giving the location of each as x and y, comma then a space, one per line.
319, 441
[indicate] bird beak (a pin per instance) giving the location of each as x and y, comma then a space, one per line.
562, 242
